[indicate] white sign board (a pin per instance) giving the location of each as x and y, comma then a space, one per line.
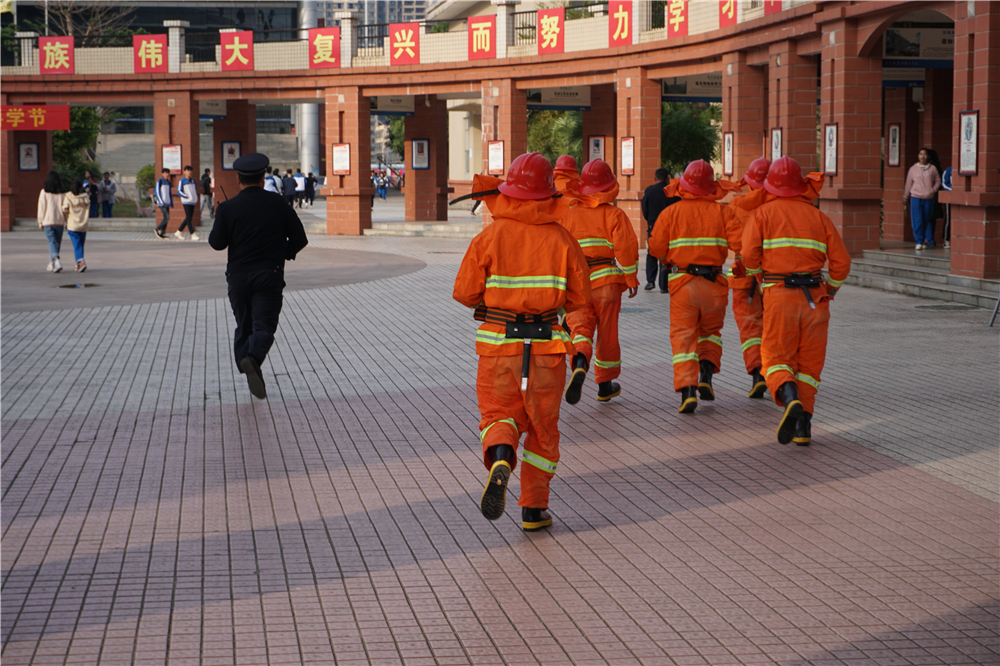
564, 98
918, 46
727, 154
341, 159
212, 109
695, 88
628, 156
392, 105
172, 158
775, 143
968, 135
495, 167
830, 148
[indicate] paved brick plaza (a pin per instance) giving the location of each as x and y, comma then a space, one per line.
153, 513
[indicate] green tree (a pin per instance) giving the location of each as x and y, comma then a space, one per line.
555, 133
687, 134
397, 126
145, 179
72, 148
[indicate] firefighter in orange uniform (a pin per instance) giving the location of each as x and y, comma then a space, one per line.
518, 273
567, 176
748, 309
605, 233
695, 236
786, 242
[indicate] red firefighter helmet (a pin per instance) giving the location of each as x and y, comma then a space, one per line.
566, 163
530, 177
699, 178
596, 176
757, 172
784, 178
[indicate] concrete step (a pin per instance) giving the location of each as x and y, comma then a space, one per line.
425, 234
426, 229
908, 259
937, 276
918, 287
147, 224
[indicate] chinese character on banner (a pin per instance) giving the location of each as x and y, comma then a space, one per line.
772, 7
56, 55
727, 13
619, 23
677, 18
550, 30
149, 53
482, 37
324, 48
404, 44
237, 51
49, 117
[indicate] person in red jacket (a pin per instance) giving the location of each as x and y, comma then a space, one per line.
518, 273
566, 176
748, 309
787, 241
695, 236
605, 233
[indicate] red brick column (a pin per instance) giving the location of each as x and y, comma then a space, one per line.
349, 198
175, 121
505, 118
852, 97
744, 111
792, 92
427, 190
639, 114
7, 160
975, 201
895, 223
240, 125
600, 121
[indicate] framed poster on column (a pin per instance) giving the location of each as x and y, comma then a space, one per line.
171, 154
230, 153
892, 154
595, 148
420, 154
830, 149
27, 156
775, 143
968, 142
495, 158
341, 159
727, 154
628, 155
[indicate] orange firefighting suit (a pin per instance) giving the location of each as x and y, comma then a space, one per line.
524, 262
749, 316
695, 231
783, 236
605, 233
566, 179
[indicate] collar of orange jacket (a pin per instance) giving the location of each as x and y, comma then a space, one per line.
722, 189
594, 200
814, 185
526, 211
567, 173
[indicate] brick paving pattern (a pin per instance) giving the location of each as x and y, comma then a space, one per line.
154, 513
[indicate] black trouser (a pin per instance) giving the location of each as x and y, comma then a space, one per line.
256, 300
188, 212
290, 200
652, 268
162, 226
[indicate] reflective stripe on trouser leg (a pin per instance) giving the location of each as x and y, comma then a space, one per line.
750, 321
812, 353
684, 316
607, 301
714, 299
582, 323
501, 403
542, 401
794, 340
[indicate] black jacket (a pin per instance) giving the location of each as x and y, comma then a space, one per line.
288, 186
654, 201
260, 230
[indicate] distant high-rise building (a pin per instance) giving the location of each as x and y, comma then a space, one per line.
373, 12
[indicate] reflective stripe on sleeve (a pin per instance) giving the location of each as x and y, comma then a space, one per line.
834, 283
711, 338
630, 269
526, 282
509, 422
605, 272
776, 368
698, 242
754, 271
802, 377
681, 358
607, 364
596, 242
582, 338
750, 343
536, 460
807, 243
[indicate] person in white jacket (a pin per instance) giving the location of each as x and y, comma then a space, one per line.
51, 219
187, 190
76, 208
164, 195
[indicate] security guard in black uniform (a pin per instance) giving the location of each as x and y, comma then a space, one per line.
261, 232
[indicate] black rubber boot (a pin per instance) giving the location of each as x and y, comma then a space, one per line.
788, 393
803, 430
608, 390
705, 380
255, 381
689, 399
759, 387
533, 520
495, 493
574, 387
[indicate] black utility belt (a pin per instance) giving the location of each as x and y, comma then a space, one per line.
606, 261
519, 325
710, 273
801, 281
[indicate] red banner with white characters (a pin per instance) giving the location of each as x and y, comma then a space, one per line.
676, 18
404, 44
237, 51
55, 55
551, 35
619, 23
44, 117
149, 53
324, 48
482, 37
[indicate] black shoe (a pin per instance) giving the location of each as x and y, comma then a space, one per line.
649, 286
689, 399
803, 430
495, 493
759, 387
159, 234
533, 520
255, 382
574, 388
788, 393
664, 291
705, 380
608, 390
